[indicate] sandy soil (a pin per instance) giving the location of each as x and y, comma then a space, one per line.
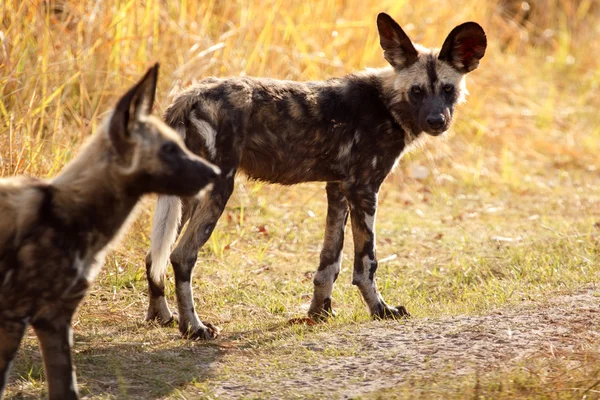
373, 356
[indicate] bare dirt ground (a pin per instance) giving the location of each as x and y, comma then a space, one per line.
370, 357
332, 361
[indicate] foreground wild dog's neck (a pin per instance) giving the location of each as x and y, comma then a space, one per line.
91, 193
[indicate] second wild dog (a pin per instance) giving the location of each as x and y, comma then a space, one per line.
349, 132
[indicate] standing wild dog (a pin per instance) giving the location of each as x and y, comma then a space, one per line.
348, 132
53, 234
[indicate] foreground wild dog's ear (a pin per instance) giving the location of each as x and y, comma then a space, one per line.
136, 103
398, 50
464, 47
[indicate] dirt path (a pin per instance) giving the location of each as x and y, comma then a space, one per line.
369, 357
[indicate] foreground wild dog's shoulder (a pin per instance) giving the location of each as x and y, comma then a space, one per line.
16, 184
20, 202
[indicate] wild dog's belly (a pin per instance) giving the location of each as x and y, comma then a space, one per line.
290, 165
288, 152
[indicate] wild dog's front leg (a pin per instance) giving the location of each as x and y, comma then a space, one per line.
363, 207
11, 333
202, 222
331, 255
52, 326
56, 339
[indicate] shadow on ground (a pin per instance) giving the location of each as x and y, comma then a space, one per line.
121, 370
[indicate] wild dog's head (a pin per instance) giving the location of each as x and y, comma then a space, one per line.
429, 83
153, 156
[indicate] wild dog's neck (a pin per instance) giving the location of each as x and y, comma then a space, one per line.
395, 102
90, 191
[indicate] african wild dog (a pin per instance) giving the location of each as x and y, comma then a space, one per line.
349, 132
53, 234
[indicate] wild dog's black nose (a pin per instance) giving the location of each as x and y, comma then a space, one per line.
436, 121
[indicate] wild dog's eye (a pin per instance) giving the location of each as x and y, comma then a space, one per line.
169, 148
415, 89
448, 88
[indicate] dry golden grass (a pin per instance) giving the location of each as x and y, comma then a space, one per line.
521, 163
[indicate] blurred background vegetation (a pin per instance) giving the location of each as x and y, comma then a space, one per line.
505, 210
63, 63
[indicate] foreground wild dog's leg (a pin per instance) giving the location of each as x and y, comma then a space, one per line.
11, 333
331, 255
158, 309
202, 222
363, 207
53, 328
56, 339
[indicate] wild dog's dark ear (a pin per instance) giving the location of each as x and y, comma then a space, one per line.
464, 47
137, 102
398, 50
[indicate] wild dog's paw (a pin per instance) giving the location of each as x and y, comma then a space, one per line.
389, 312
152, 316
164, 319
322, 313
171, 322
206, 332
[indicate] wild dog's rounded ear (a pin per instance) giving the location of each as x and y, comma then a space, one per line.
464, 47
398, 50
137, 102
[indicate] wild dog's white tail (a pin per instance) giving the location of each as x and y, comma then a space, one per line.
164, 233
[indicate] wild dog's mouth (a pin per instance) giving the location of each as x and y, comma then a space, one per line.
190, 176
436, 132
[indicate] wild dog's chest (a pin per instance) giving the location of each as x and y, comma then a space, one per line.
47, 265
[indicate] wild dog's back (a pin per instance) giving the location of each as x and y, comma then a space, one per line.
286, 132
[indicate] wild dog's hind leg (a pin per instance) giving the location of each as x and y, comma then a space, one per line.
202, 222
363, 207
331, 254
158, 309
11, 333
